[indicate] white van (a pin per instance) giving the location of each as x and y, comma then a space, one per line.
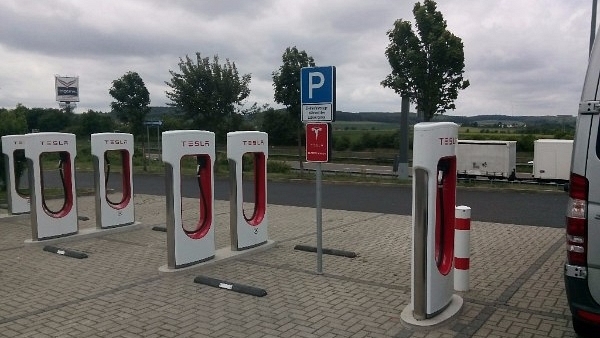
582, 269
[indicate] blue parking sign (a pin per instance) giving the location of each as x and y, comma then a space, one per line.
317, 94
317, 85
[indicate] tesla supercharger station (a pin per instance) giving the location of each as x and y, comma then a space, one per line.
189, 245
248, 231
59, 221
110, 211
17, 203
433, 209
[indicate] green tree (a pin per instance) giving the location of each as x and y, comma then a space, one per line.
211, 95
91, 122
53, 120
280, 126
427, 68
45, 119
171, 122
132, 101
131, 105
13, 123
253, 116
286, 82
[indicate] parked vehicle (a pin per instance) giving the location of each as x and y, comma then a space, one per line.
552, 160
491, 159
582, 269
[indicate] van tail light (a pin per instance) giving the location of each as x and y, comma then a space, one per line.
588, 316
577, 221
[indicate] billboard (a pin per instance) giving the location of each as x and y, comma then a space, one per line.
67, 88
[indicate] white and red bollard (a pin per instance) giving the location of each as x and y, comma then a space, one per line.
462, 248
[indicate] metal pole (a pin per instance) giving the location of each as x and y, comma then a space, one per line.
145, 148
593, 28
158, 139
148, 136
319, 223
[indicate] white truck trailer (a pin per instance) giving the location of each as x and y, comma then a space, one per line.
491, 159
552, 160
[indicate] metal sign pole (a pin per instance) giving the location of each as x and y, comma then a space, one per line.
317, 101
319, 223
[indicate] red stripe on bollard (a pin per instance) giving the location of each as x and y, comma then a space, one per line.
463, 224
461, 263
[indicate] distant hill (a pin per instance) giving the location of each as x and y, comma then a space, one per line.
480, 120
157, 113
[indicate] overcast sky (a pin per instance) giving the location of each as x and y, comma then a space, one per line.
522, 57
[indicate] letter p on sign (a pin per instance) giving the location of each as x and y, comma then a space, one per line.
312, 84
317, 85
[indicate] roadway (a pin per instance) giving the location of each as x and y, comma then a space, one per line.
509, 206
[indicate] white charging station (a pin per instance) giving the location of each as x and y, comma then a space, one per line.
248, 231
187, 247
433, 209
18, 203
45, 222
113, 211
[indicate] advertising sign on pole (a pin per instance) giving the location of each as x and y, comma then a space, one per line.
67, 88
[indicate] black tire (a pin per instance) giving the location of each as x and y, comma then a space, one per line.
582, 328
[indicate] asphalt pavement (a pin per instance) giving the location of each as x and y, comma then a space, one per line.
513, 205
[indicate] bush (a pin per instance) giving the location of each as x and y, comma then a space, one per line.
525, 143
357, 146
280, 167
341, 143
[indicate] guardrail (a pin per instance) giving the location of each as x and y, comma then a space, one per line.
522, 178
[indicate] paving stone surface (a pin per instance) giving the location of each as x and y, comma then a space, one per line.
516, 286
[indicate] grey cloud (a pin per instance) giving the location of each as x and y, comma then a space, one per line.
514, 59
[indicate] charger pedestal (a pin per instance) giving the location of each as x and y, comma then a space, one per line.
13, 147
248, 231
111, 212
189, 245
40, 149
434, 199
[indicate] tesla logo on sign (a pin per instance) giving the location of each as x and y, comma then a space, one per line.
317, 142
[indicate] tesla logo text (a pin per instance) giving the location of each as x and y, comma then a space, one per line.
447, 141
55, 143
253, 142
195, 143
115, 141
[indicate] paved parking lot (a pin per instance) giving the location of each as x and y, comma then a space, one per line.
118, 291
